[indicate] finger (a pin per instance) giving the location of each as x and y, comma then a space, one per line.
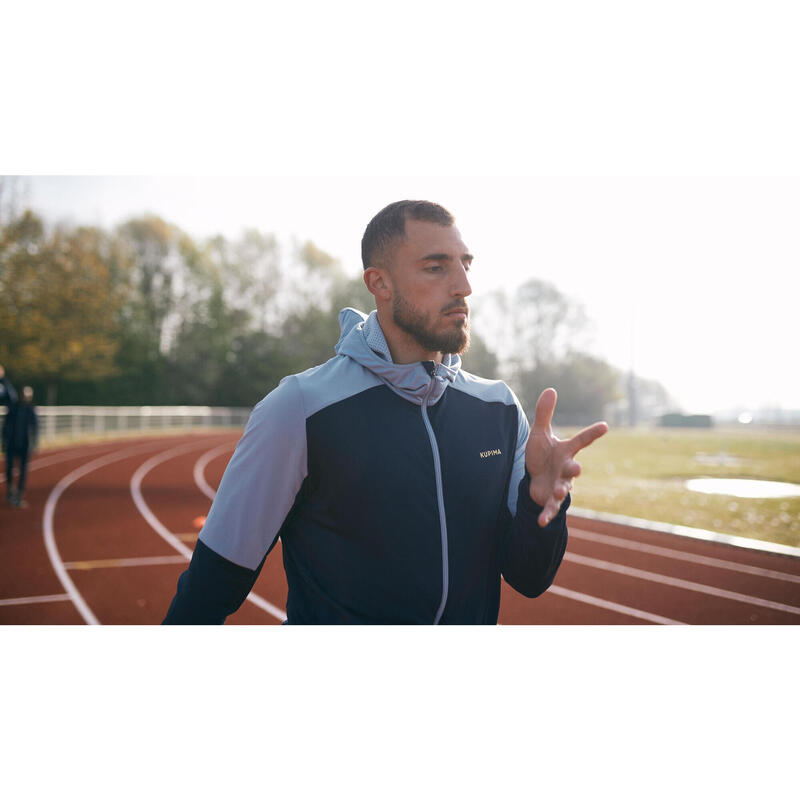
548, 512
545, 406
562, 489
588, 435
570, 470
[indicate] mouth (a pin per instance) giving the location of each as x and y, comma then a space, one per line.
461, 312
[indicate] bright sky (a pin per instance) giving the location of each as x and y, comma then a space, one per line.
697, 278
694, 273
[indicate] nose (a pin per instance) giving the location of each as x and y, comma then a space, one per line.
461, 285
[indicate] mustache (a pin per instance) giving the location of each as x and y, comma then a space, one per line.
458, 305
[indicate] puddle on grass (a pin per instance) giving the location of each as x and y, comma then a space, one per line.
721, 459
743, 487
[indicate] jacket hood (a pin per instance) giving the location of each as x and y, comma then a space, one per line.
362, 340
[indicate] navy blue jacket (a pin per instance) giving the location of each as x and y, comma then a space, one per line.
20, 428
7, 394
398, 491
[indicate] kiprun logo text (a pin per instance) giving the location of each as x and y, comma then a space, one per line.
490, 453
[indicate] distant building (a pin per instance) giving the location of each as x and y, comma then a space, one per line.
639, 401
686, 421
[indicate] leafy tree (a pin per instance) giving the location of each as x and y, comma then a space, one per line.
310, 335
586, 386
249, 270
537, 324
203, 346
162, 271
479, 359
351, 293
254, 365
12, 190
313, 277
58, 316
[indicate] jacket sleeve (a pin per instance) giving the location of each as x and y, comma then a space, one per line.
254, 497
210, 590
530, 555
34, 429
9, 396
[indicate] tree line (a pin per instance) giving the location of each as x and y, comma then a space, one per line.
144, 314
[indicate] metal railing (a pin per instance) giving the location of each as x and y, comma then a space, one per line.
73, 421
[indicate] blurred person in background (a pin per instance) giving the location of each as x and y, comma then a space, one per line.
20, 438
402, 487
7, 394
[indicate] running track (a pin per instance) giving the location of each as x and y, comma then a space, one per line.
110, 526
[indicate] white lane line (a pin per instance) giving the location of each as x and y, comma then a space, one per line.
145, 561
42, 598
168, 536
46, 461
202, 463
668, 552
678, 583
650, 526
607, 604
49, 531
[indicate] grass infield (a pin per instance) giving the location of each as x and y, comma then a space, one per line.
641, 473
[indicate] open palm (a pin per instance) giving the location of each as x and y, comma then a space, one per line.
550, 461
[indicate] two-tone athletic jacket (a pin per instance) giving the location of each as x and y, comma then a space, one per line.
398, 491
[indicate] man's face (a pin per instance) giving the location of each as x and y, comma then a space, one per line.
429, 277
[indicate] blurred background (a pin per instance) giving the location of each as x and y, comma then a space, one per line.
638, 297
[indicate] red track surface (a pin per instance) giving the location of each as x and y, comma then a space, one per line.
83, 521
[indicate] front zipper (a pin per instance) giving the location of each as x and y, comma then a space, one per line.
437, 468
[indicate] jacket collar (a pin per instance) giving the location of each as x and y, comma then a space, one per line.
362, 340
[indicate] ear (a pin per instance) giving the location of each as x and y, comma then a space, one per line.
378, 282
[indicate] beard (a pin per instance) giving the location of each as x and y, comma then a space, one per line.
417, 324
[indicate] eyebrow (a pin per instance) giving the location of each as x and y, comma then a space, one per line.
446, 257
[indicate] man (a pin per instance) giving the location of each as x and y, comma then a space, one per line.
401, 487
7, 394
20, 436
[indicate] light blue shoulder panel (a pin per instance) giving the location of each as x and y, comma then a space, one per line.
270, 464
332, 382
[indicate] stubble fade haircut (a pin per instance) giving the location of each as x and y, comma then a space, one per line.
389, 225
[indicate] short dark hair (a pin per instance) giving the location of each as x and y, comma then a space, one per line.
389, 224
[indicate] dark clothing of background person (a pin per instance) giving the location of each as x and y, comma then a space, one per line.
8, 397
20, 437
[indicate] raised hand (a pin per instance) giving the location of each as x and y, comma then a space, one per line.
550, 461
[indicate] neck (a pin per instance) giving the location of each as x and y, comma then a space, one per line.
403, 347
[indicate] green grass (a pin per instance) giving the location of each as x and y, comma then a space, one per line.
641, 473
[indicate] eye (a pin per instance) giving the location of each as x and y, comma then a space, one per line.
435, 268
